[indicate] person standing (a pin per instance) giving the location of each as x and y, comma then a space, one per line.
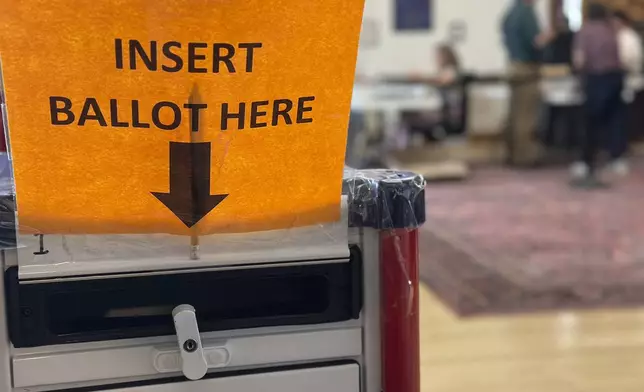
559, 91
559, 50
596, 55
630, 51
630, 43
524, 42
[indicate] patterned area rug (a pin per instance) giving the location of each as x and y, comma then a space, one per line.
515, 241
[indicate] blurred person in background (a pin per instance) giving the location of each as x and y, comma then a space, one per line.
448, 66
596, 55
524, 42
561, 120
448, 79
559, 50
432, 126
630, 51
630, 43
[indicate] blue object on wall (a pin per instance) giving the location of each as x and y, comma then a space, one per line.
413, 15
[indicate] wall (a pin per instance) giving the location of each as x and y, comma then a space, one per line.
412, 53
574, 11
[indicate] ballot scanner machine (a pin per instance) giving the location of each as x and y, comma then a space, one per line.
330, 307
178, 222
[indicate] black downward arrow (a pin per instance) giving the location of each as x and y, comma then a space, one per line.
189, 197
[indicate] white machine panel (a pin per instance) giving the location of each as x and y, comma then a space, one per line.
71, 255
345, 378
42, 368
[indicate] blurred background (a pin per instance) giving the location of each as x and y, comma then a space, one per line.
526, 118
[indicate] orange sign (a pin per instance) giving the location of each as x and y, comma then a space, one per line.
145, 116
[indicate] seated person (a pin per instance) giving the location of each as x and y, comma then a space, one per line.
448, 67
438, 125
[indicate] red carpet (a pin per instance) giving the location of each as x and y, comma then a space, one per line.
514, 241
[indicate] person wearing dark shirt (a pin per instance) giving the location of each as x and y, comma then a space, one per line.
559, 51
561, 119
524, 42
596, 56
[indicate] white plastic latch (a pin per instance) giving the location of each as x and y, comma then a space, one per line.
193, 361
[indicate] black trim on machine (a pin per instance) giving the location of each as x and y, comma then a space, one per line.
61, 312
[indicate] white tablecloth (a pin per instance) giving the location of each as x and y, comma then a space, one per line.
562, 91
567, 91
390, 100
395, 97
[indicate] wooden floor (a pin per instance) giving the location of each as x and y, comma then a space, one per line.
569, 351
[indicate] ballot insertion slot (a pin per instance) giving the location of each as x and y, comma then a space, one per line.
119, 308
